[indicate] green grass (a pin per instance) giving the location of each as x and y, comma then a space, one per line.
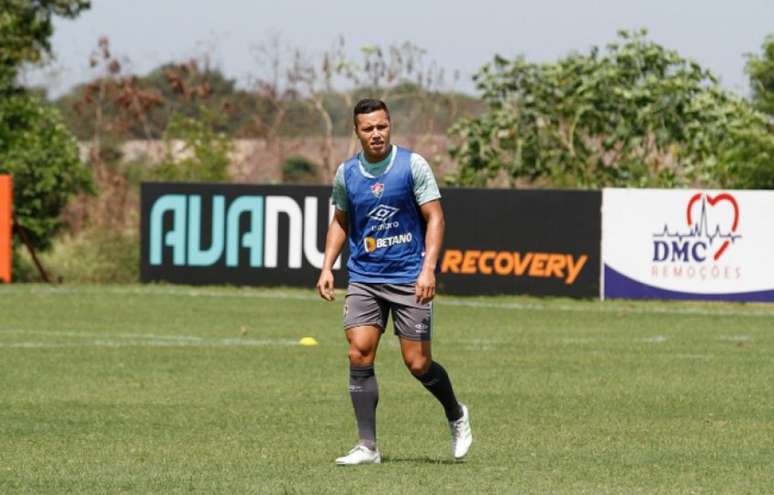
160, 389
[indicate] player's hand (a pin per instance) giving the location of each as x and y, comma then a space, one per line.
425, 290
325, 285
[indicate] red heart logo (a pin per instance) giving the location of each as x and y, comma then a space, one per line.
712, 202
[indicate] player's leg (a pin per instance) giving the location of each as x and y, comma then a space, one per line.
363, 387
418, 358
417, 355
365, 317
414, 325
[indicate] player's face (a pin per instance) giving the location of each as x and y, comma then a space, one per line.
373, 131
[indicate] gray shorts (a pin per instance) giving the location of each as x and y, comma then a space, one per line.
370, 304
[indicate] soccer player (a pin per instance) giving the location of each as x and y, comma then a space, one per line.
388, 207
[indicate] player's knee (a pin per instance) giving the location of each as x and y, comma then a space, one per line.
418, 364
360, 356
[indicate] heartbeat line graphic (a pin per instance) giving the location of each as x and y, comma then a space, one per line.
699, 229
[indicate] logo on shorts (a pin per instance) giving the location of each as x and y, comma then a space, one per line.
346, 309
382, 213
377, 189
421, 328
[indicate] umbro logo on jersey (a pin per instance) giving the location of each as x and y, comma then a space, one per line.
377, 189
382, 213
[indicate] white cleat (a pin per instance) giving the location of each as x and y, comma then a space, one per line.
461, 436
360, 455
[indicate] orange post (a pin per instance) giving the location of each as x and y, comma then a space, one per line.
6, 205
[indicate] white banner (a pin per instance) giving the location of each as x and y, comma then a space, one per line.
688, 244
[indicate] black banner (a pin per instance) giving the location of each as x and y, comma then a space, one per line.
234, 234
537, 242
497, 241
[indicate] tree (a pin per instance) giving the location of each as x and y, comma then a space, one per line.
204, 153
35, 146
760, 69
114, 103
637, 114
128, 106
378, 75
274, 92
25, 28
747, 160
41, 154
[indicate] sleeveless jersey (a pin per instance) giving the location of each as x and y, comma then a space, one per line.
386, 228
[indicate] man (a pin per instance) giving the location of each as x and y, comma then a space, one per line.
387, 206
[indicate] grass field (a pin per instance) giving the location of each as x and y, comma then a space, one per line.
162, 389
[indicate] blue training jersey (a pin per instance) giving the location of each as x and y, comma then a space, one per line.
386, 228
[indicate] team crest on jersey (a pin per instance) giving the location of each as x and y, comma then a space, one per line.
377, 189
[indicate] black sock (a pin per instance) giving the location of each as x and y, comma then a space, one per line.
436, 380
365, 396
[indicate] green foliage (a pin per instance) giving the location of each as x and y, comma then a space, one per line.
748, 158
168, 89
35, 146
248, 113
636, 115
42, 155
195, 93
299, 170
95, 255
195, 152
25, 27
760, 69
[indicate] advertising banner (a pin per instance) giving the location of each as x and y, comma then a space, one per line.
538, 242
234, 234
688, 244
6, 225
497, 241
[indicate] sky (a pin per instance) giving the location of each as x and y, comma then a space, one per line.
458, 36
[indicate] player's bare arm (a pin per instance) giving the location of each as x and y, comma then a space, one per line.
334, 242
433, 215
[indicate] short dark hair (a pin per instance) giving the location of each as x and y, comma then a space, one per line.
368, 105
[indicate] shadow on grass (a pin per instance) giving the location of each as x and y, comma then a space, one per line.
420, 460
